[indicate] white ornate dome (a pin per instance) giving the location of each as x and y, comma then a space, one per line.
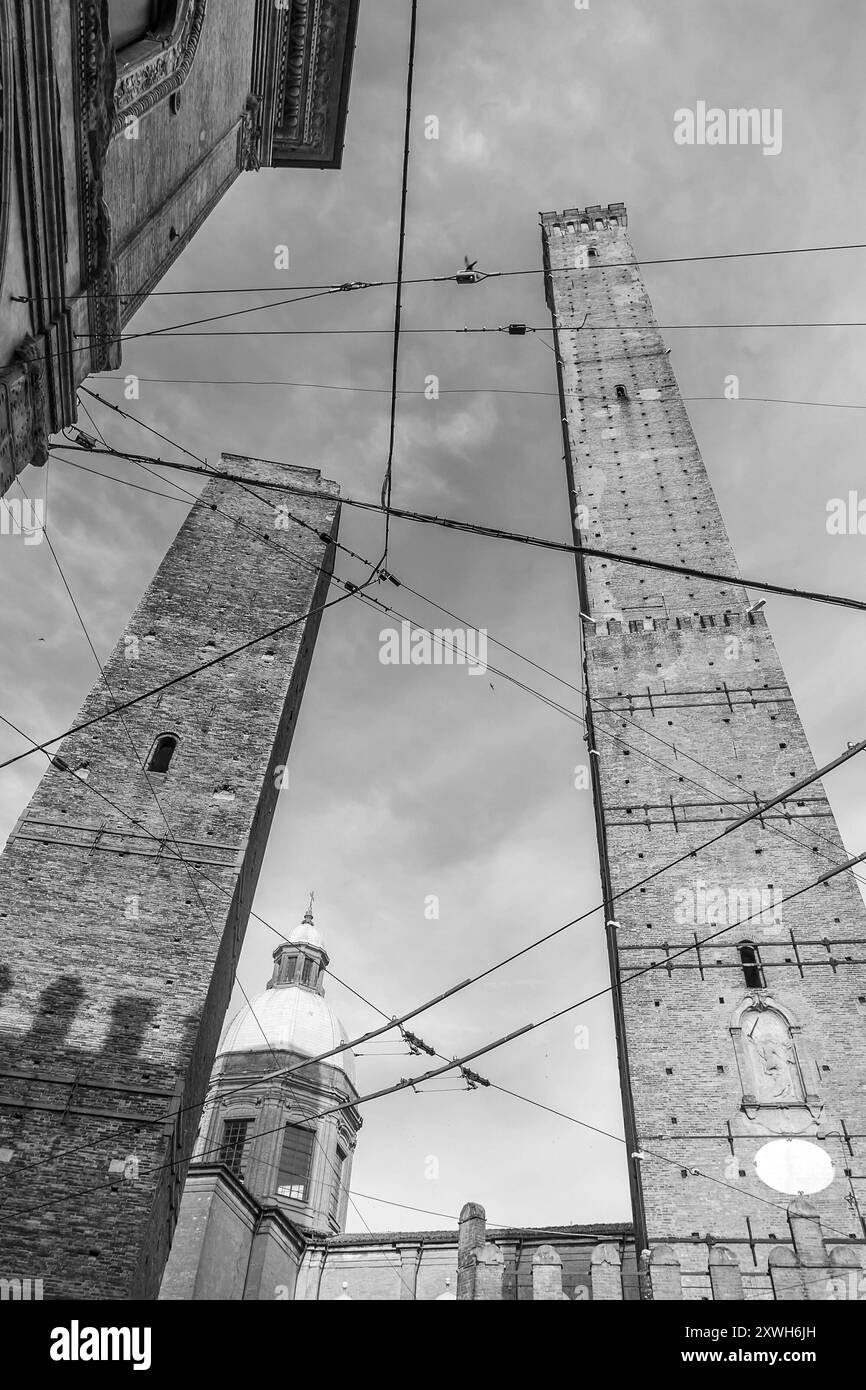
306, 935
289, 1018
292, 1015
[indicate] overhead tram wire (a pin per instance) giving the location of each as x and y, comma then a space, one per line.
398, 297
740, 581
495, 1085
497, 274
601, 708
197, 1104
757, 812
787, 834
448, 328
529, 689
697, 944
545, 543
514, 1034
555, 705
195, 887
109, 405
185, 675
786, 795
452, 391
331, 288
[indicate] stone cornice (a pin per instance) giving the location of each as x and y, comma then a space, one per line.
302, 63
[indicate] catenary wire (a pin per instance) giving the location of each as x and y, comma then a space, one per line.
542, 542
455, 391
786, 794
492, 274
529, 689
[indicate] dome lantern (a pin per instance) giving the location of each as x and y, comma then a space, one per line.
302, 959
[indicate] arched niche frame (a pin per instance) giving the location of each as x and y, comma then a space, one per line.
153, 68
770, 1057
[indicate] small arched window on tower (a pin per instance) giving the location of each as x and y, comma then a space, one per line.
753, 972
309, 976
162, 753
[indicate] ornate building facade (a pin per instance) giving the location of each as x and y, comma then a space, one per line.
122, 125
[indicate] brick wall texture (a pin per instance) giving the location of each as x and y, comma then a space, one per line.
125, 894
692, 720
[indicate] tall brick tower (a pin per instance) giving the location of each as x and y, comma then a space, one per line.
742, 1062
128, 881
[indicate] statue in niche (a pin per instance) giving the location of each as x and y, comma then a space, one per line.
772, 1058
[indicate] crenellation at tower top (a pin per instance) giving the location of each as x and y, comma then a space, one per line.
601, 216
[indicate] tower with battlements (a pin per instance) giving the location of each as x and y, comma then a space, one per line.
128, 881
739, 975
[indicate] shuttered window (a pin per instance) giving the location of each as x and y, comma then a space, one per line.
294, 1171
234, 1140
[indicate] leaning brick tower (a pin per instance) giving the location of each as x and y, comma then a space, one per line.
742, 1058
128, 881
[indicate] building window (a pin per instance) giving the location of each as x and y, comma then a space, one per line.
232, 1147
131, 20
162, 753
751, 962
337, 1188
309, 972
294, 1172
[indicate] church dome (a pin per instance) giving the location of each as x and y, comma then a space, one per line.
292, 1015
289, 1018
307, 935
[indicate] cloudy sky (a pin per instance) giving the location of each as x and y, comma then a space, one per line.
407, 782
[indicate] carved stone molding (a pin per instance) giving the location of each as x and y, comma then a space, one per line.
249, 137
94, 74
302, 59
325, 71
161, 69
6, 132
23, 424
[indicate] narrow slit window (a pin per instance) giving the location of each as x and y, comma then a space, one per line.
337, 1188
162, 753
753, 972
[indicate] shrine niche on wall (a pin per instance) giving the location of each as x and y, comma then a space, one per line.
772, 1067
